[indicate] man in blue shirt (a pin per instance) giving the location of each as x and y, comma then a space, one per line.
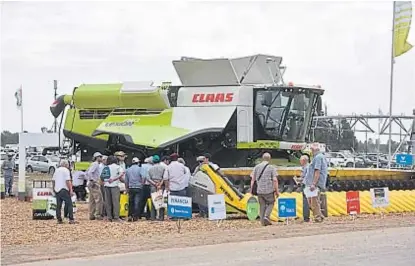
134, 186
146, 191
315, 180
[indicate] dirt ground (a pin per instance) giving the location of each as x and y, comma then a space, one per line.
24, 239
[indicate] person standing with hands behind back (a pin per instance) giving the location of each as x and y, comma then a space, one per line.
62, 186
265, 175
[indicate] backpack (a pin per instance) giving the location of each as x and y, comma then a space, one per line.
105, 174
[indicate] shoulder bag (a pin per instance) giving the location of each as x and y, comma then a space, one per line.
255, 185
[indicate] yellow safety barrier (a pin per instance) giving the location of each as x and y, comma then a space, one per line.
334, 173
124, 205
400, 201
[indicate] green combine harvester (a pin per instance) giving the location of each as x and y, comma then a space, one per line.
235, 109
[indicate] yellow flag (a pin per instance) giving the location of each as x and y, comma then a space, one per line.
402, 24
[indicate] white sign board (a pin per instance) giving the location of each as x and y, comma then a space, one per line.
34, 140
380, 197
217, 208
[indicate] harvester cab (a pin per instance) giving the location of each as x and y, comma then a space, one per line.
232, 108
258, 111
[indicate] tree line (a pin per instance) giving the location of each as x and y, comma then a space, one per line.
8, 137
340, 136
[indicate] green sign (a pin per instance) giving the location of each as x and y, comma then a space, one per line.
252, 208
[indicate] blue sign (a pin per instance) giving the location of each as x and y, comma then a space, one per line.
179, 207
405, 159
287, 208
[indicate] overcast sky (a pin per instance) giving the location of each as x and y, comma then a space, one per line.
344, 46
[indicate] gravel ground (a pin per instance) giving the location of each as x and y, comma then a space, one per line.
24, 239
385, 247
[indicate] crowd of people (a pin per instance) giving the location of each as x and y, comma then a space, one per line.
108, 177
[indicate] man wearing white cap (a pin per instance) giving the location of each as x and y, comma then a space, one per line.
146, 193
134, 186
95, 197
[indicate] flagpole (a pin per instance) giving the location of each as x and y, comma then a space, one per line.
391, 86
21, 111
21, 195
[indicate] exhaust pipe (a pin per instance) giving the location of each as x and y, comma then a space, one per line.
59, 105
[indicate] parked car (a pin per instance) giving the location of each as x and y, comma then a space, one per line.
383, 162
43, 164
336, 159
333, 160
370, 163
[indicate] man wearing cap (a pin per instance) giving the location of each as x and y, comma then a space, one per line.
134, 187
95, 197
175, 178
146, 194
214, 166
155, 175
120, 155
200, 160
101, 168
121, 159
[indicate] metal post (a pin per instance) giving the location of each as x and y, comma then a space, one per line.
55, 88
391, 86
22, 167
378, 153
21, 194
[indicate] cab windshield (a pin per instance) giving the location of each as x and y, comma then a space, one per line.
284, 114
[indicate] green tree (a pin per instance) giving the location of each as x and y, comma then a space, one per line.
9, 138
338, 136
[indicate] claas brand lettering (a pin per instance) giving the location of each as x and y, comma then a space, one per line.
234, 109
212, 97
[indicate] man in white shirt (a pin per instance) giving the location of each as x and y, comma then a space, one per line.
63, 189
188, 174
175, 177
78, 182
